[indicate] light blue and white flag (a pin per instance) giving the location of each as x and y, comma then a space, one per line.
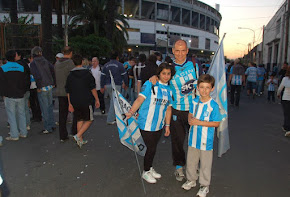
129, 132
217, 70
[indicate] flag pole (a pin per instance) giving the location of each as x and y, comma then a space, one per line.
132, 141
216, 53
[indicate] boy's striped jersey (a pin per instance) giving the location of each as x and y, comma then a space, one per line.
152, 111
201, 137
183, 85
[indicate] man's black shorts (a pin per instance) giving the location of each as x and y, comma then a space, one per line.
84, 113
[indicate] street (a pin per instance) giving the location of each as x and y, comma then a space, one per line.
257, 165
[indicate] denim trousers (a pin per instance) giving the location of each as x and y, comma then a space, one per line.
111, 114
15, 109
27, 113
46, 106
260, 86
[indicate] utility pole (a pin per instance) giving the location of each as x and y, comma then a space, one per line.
263, 45
287, 33
66, 23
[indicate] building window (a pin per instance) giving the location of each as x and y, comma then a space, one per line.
278, 26
162, 12
207, 23
207, 44
202, 22
147, 38
194, 19
148, 10
194, 42
175, 15
131, 8
185, 17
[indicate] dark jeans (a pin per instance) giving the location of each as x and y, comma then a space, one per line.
151, 139
34, 105
178, 128
271, 94
286, 111
63, 112
235, 94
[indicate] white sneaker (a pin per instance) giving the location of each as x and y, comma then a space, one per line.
155, 174
179, 175
188, 185
147, 176
28, 128
287, 134
203, 190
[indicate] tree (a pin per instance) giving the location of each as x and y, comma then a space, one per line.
46, 21
14, 20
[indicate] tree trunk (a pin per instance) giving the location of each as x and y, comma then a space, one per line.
14, 20
111, 9
46, 21
59, 18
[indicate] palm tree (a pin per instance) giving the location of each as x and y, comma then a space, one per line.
46, 21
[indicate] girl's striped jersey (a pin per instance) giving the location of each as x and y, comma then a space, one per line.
152, 111
183, 85
201, 137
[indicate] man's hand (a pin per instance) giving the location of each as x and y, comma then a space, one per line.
153, 79
97, 103
102, 90
70, 108
167, 131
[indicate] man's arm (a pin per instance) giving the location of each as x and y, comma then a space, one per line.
97, 102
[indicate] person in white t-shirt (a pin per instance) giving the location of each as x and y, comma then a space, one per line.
96, 71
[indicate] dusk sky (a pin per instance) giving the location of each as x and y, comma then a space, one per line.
248, 14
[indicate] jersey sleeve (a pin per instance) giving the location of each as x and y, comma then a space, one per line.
215, 115
146, 89
231, 70
247, 71
170, 98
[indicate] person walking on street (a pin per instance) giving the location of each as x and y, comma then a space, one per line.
285, 101
260, 79
97, 72
120, 75
251, 74
272, 83
14, 80
62, 67
236, 80
43, 73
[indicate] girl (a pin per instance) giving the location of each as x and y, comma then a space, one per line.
155, 102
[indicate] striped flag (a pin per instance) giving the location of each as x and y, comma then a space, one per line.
129, 132
217, 70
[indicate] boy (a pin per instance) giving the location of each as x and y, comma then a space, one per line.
272, 82
203, 116
80, 85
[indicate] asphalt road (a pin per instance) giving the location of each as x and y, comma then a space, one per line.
257, 165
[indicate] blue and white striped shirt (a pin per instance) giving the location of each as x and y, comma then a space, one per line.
153, 109
236, 79
201, 137
271, 86
183, 85
252, 74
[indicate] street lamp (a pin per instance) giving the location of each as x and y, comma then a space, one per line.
167, 40
252, 31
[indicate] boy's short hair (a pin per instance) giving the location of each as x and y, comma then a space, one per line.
67, 50
206, 78
165, 65
77, 59
10, 55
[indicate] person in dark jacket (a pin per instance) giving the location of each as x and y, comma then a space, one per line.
43, 73
150, 68
14, 80
119, 74
62, 67
80, 86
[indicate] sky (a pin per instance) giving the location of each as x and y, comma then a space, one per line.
247, 14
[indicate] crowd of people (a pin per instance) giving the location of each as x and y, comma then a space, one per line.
170, 95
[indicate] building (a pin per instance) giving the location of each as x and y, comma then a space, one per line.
155, 24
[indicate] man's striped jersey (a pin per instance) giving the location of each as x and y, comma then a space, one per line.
236, 79
183, 85
201, 137
152, 111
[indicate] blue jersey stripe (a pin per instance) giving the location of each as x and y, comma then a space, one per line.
156, 112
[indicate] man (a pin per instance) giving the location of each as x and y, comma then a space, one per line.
129, 91
236, 80
119, 74
62, 68
196, 62
96, 71
252, 74
183, 85
13, 85
159, 58
43, 73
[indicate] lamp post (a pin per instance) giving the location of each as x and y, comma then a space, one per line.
167, 40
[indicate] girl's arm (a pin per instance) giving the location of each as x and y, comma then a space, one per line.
167, 120
138, 102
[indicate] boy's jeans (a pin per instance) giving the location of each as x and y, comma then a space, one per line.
27, 113
111, 114
15, 109
260, 86
46, 106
